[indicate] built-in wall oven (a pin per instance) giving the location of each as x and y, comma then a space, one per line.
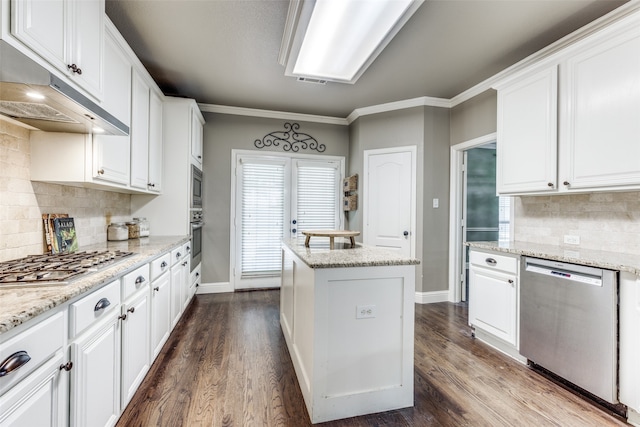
196, 237
196, 187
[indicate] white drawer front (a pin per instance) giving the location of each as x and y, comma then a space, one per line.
134, 281
38, 343
177, 254
494, 261
160, 265
88, 311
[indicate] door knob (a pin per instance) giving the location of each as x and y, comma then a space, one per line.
294, 230
294, 222
406, 233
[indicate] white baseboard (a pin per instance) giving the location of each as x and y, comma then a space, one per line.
214, 288
633, 417
431, 297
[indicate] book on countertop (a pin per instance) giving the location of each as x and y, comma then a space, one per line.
65, 232
49, 231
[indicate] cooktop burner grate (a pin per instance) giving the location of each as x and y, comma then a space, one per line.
56, 269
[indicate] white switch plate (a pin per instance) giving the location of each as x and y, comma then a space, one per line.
365, 311
436, 203
571, 240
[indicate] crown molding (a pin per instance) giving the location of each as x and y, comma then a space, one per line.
423, 101
271, 114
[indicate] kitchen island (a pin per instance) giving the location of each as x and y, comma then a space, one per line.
347, 316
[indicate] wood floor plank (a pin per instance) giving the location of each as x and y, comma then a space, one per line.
226, 364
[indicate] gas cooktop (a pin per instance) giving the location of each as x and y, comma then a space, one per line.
56, 269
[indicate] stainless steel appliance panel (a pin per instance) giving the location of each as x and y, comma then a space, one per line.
568, 323
196, 187
196, 237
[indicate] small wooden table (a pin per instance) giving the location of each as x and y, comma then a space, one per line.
331, 234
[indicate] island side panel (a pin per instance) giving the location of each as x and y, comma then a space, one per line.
363, 365
286, 296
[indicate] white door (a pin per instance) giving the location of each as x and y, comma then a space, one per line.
390, 199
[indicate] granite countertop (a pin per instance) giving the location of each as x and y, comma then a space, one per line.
318, 255
594, 258
20, 304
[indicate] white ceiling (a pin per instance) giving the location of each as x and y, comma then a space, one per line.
225, 52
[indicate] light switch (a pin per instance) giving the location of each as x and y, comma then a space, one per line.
436, 203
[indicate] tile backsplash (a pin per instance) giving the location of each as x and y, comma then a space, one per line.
22, 202
605, 221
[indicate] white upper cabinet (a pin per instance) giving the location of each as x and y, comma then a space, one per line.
155, 143
111, 153
68, 34
581, 107
527, 133
139, 132
196, 137
600, 136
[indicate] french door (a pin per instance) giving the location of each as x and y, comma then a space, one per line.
277, 197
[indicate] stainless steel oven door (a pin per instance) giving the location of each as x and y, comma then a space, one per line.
196, 244
196, 188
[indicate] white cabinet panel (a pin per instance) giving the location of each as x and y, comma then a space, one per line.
155, 143
196, 137
95, 384
87, 47
602, 87
160, 313
630, 340
139, 132
136, 332
40, 400
527, 133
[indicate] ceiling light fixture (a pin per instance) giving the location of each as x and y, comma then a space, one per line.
337, 40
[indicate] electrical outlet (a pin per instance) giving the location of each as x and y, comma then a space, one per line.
571, 240
365, 311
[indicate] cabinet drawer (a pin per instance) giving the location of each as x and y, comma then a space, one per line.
160, 265
93, 307
134, 281
177, 254
39, 343
494, 261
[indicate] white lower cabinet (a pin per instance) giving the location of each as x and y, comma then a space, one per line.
493, 298
160, 313
630, 344
136, 330
39, 400
179, 282
95, 384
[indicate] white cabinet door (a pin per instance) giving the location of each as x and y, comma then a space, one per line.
40, 400
155, 143
139, 132
67, 34
44, 27
196, 138
95, 384
177, 286
630, 340
527, 134
160, 313
186, 282
493, 303
136, 333
88, 44
602, 93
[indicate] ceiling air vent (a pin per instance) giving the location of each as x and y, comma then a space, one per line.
310, 80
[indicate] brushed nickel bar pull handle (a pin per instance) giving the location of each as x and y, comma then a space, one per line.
102, 304
14, 362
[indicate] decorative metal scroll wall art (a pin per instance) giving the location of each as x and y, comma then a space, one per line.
291, 140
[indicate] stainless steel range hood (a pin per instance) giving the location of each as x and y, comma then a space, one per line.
61, 108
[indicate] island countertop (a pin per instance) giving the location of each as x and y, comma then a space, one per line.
593, 258
318, 255
22, 303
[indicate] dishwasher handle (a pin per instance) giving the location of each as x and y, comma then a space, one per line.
564, 274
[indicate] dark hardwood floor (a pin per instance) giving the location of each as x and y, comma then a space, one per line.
226, 364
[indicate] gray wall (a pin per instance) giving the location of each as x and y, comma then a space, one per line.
475, 117
222, 133
428, 129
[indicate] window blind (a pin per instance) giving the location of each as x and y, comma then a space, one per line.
263, 192
317, 201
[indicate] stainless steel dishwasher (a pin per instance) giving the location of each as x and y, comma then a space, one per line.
569, 323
